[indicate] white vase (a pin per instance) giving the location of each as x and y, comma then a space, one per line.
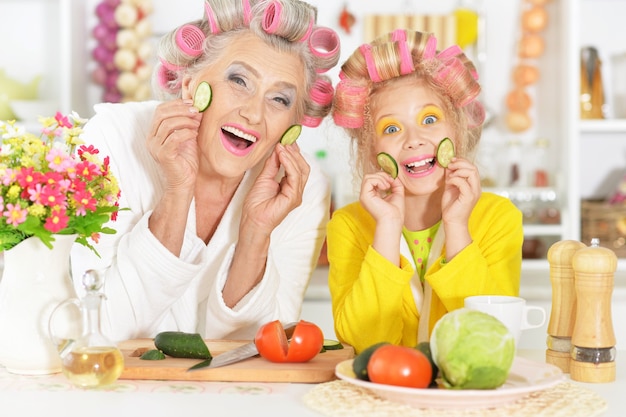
34, 281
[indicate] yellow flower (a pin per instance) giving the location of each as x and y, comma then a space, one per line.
14, 191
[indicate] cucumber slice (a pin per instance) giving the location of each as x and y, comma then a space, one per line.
203, 96
330, 344
445, 152
388, 164
152, 355
182, 345
291, 135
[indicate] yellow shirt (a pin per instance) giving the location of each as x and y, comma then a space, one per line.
371, 297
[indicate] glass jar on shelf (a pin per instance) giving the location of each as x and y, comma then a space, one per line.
514, 163
541, 173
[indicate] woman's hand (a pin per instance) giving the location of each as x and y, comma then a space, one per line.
173, 143
270, 201
461, 193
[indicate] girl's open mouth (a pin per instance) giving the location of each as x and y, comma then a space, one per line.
420, 167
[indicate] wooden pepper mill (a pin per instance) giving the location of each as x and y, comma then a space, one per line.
593, 340
561, 324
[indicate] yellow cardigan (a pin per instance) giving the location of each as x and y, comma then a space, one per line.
371, 297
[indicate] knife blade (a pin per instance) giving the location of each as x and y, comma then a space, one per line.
237, 354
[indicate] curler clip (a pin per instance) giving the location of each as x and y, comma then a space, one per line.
190, 40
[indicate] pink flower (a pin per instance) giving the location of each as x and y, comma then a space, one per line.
87, 170
57, 221
15, 214
87, 149
63, 121
26, 177
51, 196
9, 176
84, 201
34, 193
52, 177
58, 160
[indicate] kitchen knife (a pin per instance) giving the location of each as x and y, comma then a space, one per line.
237, 354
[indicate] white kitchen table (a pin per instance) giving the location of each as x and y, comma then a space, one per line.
54, 396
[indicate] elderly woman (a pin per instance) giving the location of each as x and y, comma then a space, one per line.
423, 235
224, 223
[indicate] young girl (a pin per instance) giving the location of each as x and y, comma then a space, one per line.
416, 245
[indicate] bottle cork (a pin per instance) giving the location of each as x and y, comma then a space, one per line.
593, 338
563, 311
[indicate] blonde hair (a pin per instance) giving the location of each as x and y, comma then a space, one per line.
405, 53
286, 25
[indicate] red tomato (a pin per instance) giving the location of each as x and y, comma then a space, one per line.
305, 344
399, 365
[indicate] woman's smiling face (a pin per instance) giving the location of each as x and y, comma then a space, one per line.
256, 93
409, 121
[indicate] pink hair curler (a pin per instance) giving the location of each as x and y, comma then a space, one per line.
247, 12
190, 40
366, 50
309, 30
350, 105
165, 78
310, 121
406, 62
210, 17
169, 65
322, 92
272, 16
324, 42
450, 52
431, 48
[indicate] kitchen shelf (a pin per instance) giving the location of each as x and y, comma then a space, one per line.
603, 126
543, 230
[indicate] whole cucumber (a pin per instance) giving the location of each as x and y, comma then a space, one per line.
182, 345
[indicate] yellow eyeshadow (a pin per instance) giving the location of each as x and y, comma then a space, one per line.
430, 110
385, 122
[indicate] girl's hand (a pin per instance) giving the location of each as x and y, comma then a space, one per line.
172, 142
383, 197
461, 192
270, 201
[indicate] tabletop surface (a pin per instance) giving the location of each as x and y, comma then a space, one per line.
55, 396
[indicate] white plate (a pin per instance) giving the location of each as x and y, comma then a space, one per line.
526, 376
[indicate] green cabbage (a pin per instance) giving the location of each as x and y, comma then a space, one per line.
473, 350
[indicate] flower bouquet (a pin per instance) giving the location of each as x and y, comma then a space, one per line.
53, 184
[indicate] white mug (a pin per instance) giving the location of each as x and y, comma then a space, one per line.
510, 310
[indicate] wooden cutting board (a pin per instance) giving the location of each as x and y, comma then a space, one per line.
255, 369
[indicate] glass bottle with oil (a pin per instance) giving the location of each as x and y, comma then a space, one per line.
90, 360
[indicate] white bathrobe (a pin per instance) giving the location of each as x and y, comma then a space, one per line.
148, 289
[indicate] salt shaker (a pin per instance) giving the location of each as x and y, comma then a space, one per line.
561, 324
593, 339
